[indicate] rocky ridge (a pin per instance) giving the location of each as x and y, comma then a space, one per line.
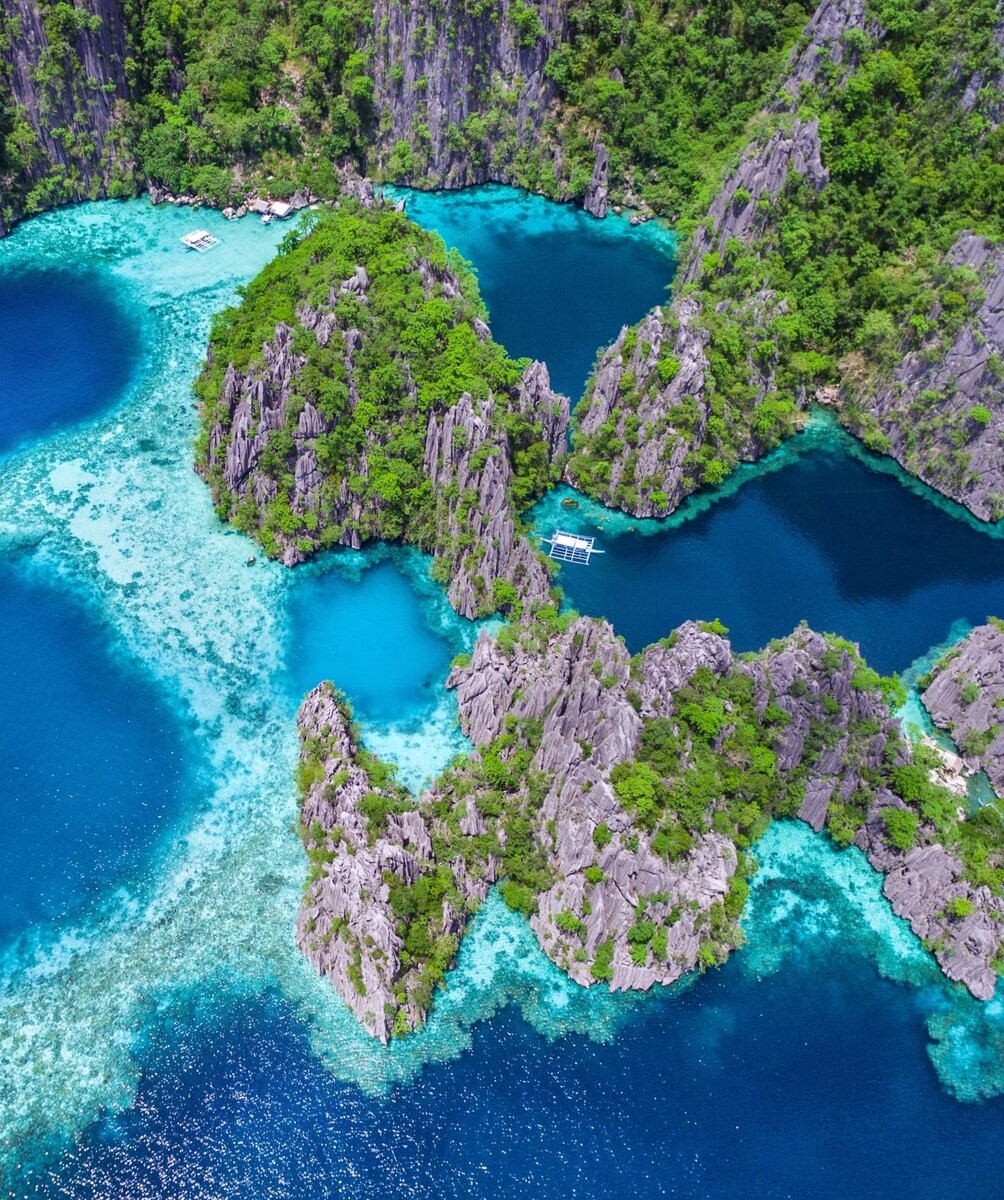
650, 430
939, 413
965, 696
475, 88
571, 735
654, 424
267, 451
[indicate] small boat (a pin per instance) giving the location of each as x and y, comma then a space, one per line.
570, 547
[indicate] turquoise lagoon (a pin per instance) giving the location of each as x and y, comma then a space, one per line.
163, 1038
558, 283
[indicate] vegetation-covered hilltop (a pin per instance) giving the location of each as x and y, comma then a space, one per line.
844, 259
617, 800
842, 255
212, 98
356, 393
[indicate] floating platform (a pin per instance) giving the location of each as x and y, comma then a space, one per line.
201, 240
570, 547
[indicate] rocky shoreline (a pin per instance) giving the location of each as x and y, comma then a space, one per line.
964, 693
616, 800
281, 464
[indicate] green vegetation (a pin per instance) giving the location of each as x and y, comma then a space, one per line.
279, 92
389, 359
841, 281
714, 766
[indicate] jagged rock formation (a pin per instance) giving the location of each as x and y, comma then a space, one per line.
358, 835
939, 414
646, 437
595, 199
338, 434
65, 71
821, 48
616, 798
459, 96
965, 697
738, 209
648, 432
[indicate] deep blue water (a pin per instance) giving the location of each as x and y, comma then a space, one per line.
558, 283
92, 762
849, 549
810, 1083
67, 349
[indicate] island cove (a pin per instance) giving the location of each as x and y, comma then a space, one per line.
357, 393
214, 941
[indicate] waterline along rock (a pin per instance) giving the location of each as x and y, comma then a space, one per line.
357, 393
964, 694
765, 320
616, 800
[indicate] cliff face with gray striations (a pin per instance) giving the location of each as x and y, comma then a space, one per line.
460, 91
65, 71
271, 449
561, 717
940, 411
965, 697
648, 411
647, 432
347, 925
488, 523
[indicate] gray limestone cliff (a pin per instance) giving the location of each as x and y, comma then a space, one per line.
615, 797
368, 846
965, 697
64, 68
939, 413
461, 92
291, 461
656, 422
649, 431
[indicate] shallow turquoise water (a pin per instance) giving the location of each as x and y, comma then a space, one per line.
170, 1041
385, 652
558, 283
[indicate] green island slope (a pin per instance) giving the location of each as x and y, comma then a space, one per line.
835, 176
618, 800
216, 99
356, 393
850, 258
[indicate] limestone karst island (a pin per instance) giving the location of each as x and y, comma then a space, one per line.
502, 559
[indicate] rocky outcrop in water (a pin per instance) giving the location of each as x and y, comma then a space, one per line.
290, 461
939, 414
647, 433
616, 797
965, 697
64, 68
369, 848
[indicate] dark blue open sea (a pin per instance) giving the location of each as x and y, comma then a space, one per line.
160, 1036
